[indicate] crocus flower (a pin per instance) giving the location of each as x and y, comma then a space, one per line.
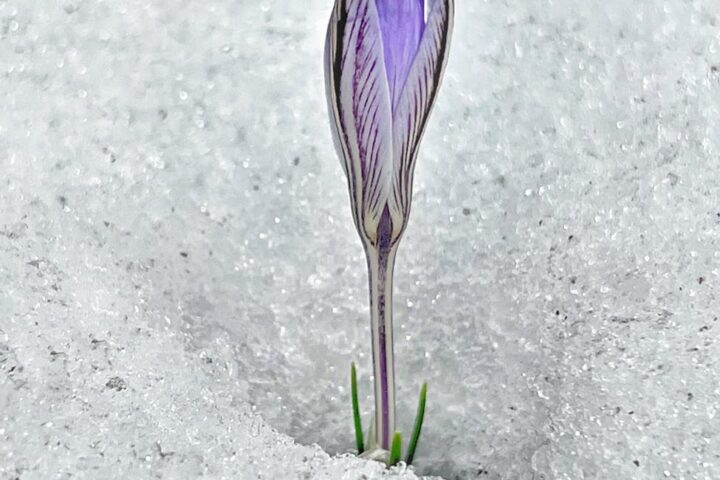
384, 60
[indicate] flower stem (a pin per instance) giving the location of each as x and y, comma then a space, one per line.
381, 262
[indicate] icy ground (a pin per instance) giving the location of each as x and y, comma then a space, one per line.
178, 263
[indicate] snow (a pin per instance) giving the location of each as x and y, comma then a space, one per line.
91, 390
182, 290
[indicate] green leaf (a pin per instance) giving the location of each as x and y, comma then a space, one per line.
419, 417
356, 409
396, 449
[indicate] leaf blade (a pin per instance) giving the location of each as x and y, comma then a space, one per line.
395, 450
417, 429
357, 421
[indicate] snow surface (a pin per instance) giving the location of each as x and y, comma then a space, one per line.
179, 273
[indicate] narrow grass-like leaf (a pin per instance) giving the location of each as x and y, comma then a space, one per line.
396, 449
419, 417
356, 410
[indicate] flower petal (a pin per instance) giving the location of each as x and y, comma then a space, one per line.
417, 98
402, 23
359, 104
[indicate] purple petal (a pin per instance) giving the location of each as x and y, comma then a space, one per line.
402, 23
417, 98
359, 104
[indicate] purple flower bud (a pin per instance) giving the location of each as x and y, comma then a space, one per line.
384, 60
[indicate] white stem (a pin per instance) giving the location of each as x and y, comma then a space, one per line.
380, 275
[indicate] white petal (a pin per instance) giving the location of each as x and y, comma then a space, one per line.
359, 104
418, 97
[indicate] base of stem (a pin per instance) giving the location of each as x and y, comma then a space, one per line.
377, 454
